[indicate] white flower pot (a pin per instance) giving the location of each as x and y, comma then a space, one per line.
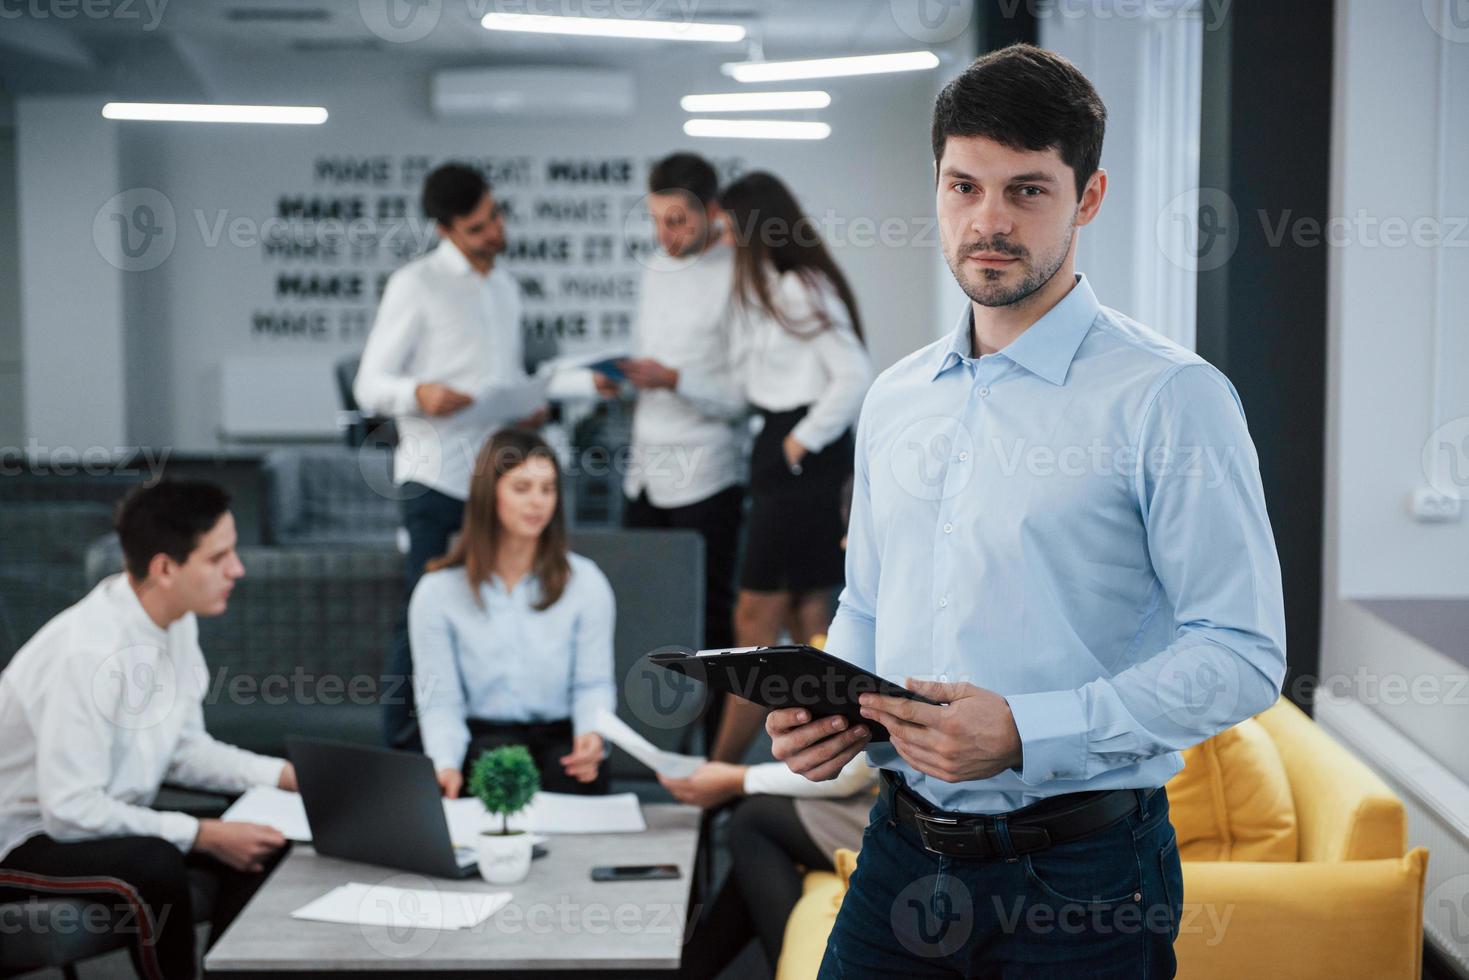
504, 859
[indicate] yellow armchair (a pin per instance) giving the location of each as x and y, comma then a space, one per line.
1351, 905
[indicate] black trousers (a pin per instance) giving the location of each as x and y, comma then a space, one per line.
431, 518
547, 742
767, 841
140, 888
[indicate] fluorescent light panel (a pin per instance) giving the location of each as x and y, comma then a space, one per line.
866, 64
754, 101
757, 129
291, 115
645, 30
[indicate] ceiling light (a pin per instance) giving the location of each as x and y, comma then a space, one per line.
754, 101
866, 64
295, 115
757, 129
646, 30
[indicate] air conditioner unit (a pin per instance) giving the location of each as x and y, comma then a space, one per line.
546, 92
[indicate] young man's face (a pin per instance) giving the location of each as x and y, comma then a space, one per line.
1008, 217
202, 584
681, 223
480, 234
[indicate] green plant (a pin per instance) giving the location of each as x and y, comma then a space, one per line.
505, 779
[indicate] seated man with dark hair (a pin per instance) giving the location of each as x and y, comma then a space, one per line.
102, 706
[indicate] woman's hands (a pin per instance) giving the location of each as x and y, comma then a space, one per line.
710, 785
585, 757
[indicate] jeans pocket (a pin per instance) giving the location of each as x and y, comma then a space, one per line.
1098, 871
1171, 872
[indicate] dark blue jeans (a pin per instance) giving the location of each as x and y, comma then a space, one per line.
1105, 907
431, 519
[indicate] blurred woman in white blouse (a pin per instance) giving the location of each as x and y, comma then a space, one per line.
804, 369
511, 633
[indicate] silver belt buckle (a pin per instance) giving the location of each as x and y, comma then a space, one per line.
924, 820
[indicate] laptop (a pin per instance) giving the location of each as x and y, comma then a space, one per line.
378, 806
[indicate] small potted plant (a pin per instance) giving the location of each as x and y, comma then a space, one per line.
504, 780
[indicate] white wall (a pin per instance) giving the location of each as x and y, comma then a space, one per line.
1138, 254
11, 398
192, 310
70, 292
1394, 607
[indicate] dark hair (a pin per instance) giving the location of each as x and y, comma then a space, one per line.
772, 232
1025, 98
166, 518
479, 542
687, 172
453, 191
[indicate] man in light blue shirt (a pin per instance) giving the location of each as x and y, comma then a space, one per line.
1058, 531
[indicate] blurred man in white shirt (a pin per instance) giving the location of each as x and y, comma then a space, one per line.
102, 706
686, 467
447, 330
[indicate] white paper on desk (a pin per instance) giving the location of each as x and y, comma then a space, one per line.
273, 807
674, 765
358, 904
468, 818
571, 813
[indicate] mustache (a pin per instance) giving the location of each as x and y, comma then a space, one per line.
998, 245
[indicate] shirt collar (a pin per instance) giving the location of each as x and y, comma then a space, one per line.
1046, 348
447, 254
131, 611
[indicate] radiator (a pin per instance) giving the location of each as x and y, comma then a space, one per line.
1437, 802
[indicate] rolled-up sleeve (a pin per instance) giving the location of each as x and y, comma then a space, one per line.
1198, 489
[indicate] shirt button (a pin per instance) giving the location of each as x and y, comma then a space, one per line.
943, 678
943, 600
948, 529
963, 457
984, 391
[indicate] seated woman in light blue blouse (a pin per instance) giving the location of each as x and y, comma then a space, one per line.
511, 633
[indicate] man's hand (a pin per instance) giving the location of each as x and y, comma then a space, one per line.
451, 781
710, 785
646, 373
606, 387
287, 781
437, 399
242, 846
815, 749
585, 757
972, 736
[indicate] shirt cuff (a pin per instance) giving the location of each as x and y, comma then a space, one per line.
405, 397
179, 829
265, 770
1053, 735
584, 720
806, 434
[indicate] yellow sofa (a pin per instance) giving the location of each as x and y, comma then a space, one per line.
1350, 906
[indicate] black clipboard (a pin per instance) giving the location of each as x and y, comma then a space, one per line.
790, 676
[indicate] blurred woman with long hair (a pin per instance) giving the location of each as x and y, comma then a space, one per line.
511, 632
805, 370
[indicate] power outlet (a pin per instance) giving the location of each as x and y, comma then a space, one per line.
1429, 506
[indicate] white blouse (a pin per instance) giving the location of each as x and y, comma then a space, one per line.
818, 361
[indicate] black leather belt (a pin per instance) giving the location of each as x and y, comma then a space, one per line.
1032, 828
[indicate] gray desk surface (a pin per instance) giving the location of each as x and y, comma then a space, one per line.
558, 919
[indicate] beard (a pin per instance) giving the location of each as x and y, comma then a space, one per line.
989, 287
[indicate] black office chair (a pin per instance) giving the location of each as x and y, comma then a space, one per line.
357, 428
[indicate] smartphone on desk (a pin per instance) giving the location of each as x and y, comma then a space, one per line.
635, 872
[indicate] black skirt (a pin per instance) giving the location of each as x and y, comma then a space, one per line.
793, 538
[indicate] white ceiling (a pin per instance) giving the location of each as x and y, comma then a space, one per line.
82, 45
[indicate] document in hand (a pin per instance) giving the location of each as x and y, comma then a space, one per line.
671, 764
793, 676
273, 807
358, 904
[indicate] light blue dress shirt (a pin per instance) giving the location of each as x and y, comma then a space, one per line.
500, 659
1075, 522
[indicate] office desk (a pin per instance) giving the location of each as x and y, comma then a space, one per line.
558, 922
